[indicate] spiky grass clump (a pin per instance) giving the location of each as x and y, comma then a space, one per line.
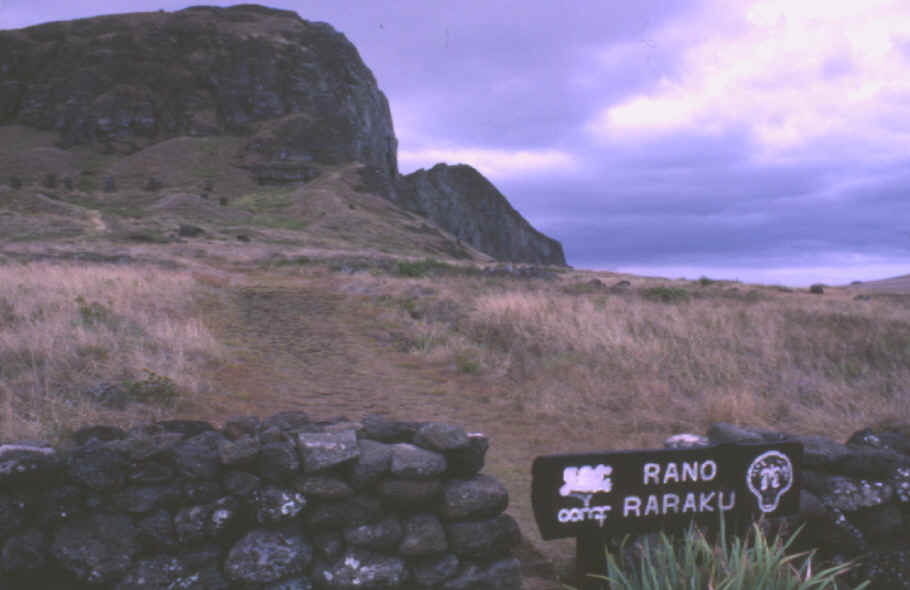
750, 563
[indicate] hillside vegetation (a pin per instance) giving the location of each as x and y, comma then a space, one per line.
561, 361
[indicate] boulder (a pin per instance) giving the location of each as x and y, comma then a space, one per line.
440, 437
482, 538
278, 462
423, 535
267, 556
97, 549
470, 499
324, 486
373, 462
412, 462
359, 569
469, 460
319, 451
197, 456
430, 572
378, 428
275, 505
383, 536
499, 575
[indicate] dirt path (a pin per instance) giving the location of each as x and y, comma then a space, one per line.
305, 344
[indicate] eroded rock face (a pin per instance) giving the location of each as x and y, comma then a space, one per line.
123, 82
468, 206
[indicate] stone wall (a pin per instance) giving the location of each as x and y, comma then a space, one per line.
854, 499
282, 503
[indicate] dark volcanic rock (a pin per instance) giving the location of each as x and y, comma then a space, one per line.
483, 538
157, 533
437, 436
373, 463
97, 549
323, 450
468, 206
197, 457
278, 461
351, 512
500, 575
469, 460
25, 551
364, 569
478, 497
410, 493
123, 82
267, 556
379, 428
275, 505
382, 536
12, 514
97, 468
411, 462
423, 535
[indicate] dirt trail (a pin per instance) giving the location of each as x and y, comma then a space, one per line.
307, 345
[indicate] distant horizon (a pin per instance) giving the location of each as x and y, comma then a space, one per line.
764, 140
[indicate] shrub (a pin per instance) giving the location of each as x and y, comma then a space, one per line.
665, 294
465, 363
817, 289
705, 281
420, 268
751, 563
94, 314
151, 388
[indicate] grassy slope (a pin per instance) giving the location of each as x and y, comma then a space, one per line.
307, 314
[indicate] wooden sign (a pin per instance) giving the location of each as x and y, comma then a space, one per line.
595, 495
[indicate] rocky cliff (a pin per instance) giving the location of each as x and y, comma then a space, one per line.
120, 83
296, 91
468, 206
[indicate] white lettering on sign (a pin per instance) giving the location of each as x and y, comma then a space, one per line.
598, 513
657, 505
691, 471
586, 480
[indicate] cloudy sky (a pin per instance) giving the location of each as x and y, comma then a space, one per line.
765, 141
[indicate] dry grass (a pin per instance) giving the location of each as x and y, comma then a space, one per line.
65, 329
643, 369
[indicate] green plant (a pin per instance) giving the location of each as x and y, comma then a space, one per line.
465, 363
419, 268
94, 314
151, 388
817, 289
665, 294
705, 281
296, 261
8, 315
750, 563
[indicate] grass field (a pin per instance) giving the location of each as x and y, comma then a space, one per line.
541, 366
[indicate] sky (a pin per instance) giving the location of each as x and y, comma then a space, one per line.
763, 141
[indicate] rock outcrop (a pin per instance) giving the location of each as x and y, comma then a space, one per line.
297, 91
468, 206
122, 82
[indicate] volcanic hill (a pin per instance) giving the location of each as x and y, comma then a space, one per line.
223, 118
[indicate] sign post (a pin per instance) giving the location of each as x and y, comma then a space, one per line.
593, 496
